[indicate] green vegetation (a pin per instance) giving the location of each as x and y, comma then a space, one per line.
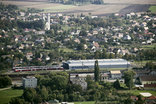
96, 71
59, 8
137, 92
6, 95
5, 81
78, 2
85, 102
128, 78
66, 50
148, 46
152, 9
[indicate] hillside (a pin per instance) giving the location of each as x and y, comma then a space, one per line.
110, 6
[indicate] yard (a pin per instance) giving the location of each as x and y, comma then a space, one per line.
6, 95
153, 9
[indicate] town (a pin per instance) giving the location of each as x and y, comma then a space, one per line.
54, 58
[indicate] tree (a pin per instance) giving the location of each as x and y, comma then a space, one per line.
44, 93
5, 81
29, 94
116, 84
17, 100
140, 100
128, 77
128, 101
138, 81
96, 71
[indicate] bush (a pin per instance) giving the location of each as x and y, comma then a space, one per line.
5, 81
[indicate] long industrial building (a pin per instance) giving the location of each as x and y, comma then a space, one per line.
89, 64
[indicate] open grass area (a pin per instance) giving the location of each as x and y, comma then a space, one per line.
153, 9
137, 92
59, 8
66, 50
85, 102
6, 95
141, 63
149, 46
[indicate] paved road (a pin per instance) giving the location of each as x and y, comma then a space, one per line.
5, 88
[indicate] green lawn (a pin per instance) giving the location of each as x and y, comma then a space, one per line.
137, 92
86, 102
6, 95
153, 9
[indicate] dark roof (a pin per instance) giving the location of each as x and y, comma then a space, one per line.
151, 98
150, 85
148, 78
142, 71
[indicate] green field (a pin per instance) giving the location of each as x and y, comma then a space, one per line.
153, 9
6, 95
149, 46
86, 102
66, 50
137, 92
59, 8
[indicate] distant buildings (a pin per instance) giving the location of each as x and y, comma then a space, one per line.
108, 76
30, 82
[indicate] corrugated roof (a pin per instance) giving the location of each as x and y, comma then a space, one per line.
93, 60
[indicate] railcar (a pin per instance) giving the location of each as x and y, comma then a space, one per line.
36, 68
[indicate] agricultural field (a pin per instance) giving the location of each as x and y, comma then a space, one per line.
110, 6
6, 95
153, 9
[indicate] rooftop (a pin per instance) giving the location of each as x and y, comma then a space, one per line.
115, 72
148, 78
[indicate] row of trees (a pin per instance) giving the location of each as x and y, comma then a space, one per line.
78, 1
39, 24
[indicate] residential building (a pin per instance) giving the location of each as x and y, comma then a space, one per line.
30, 82
115, 74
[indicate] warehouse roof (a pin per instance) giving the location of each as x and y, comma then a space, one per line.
99, 60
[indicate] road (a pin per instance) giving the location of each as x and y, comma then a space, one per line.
1, 89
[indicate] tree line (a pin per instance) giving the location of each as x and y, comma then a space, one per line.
75, 2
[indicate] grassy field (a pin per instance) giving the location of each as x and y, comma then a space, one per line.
110, 6
6, 95
66, 50
137, 92
153, 9
59, 8
149, 46
86, 102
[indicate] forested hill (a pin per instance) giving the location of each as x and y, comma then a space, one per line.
78, 2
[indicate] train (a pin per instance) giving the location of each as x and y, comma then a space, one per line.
36, 68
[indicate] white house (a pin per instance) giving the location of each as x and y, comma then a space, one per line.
127, 37
30, 82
